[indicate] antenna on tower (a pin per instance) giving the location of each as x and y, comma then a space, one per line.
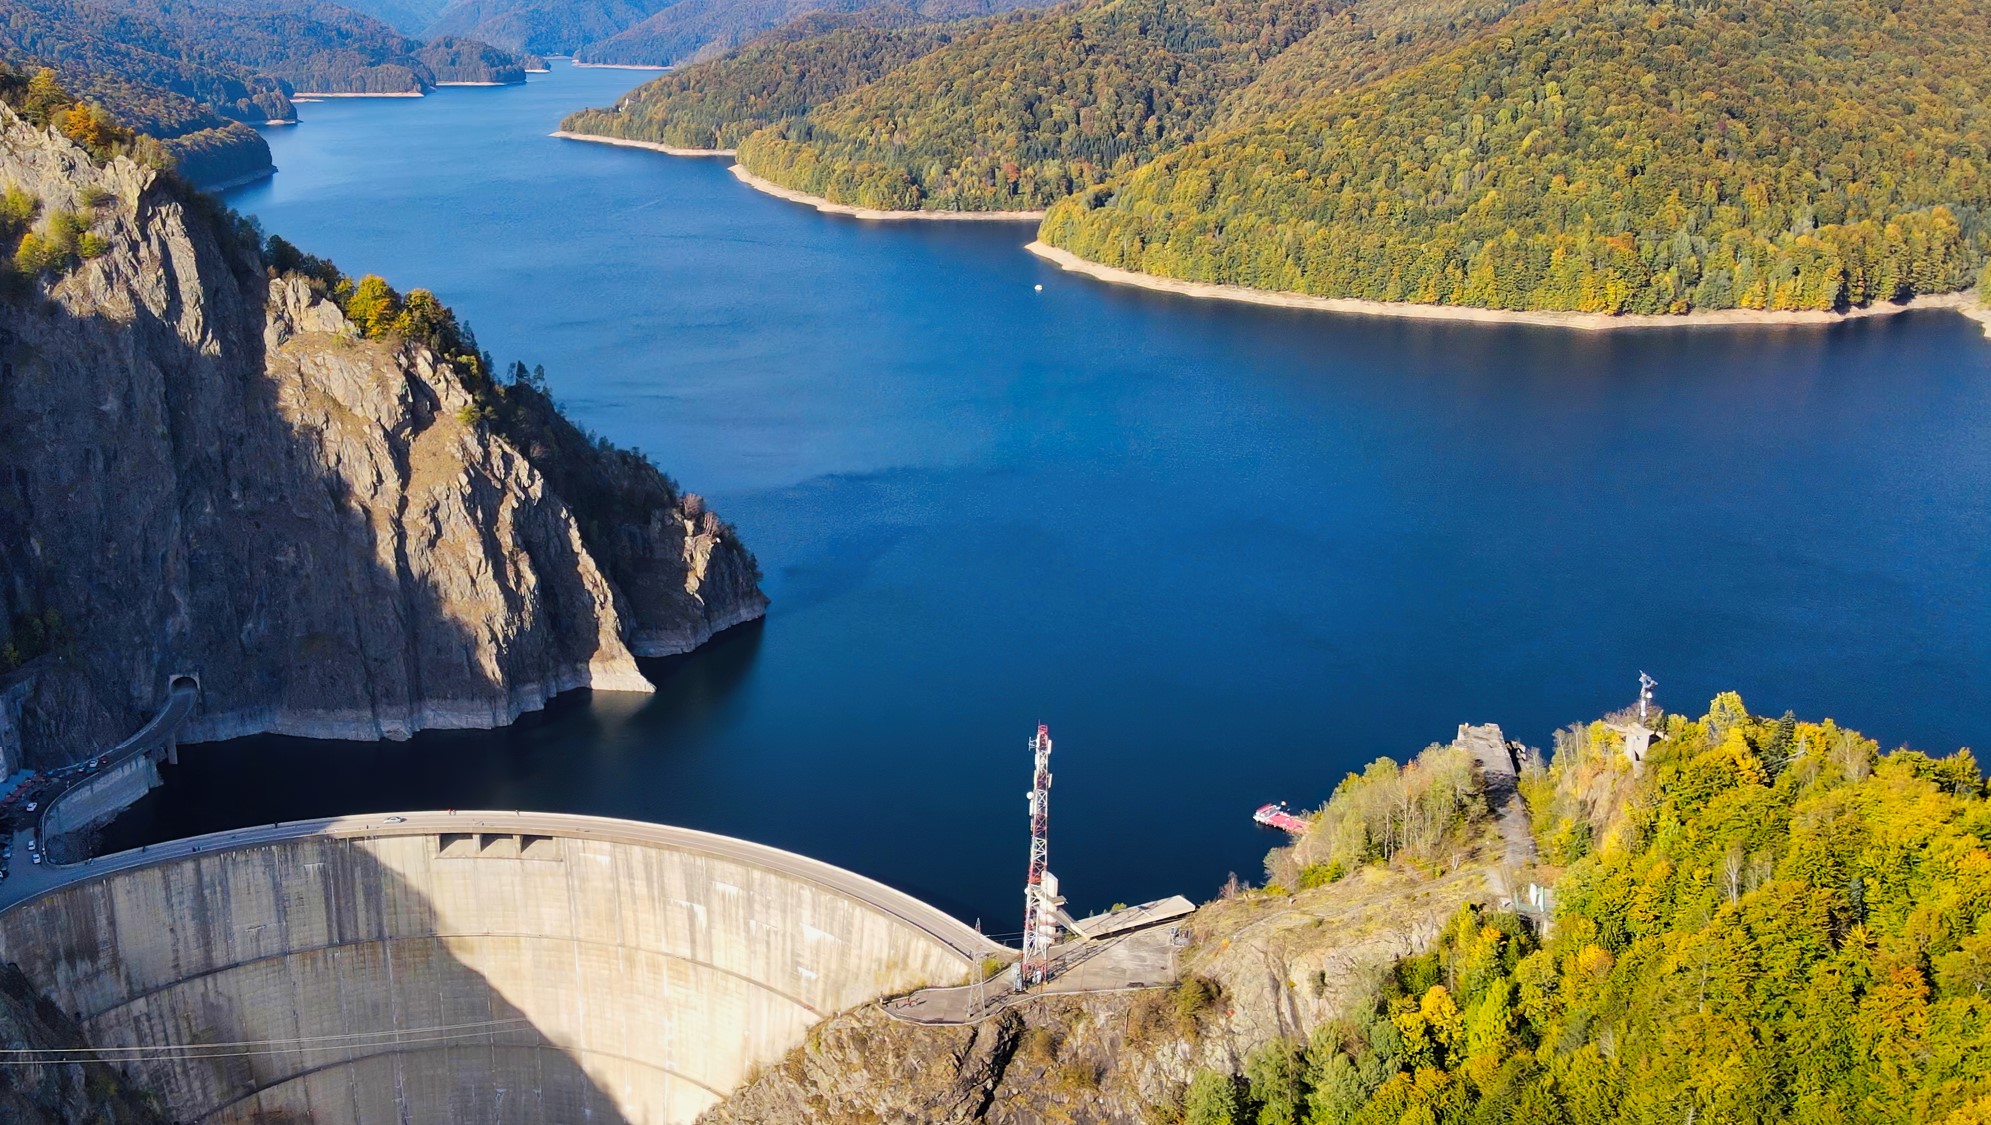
1645, 685
1042, 908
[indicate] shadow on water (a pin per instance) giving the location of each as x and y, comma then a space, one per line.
570, 757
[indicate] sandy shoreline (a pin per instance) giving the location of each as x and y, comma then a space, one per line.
617, 66
875, 215
476, 84
1964, 303
314, 94
593, 138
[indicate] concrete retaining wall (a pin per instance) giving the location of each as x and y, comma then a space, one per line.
466, 977
101, 798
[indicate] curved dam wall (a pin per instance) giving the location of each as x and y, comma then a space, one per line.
465, 968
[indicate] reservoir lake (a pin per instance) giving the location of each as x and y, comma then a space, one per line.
1227, 552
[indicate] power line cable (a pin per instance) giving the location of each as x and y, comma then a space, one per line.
391, 1037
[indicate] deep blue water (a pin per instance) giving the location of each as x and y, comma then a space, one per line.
1228, 553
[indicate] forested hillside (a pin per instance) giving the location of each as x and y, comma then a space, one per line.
190, 72
541, 27
409, 17
453, 59
666, 32
717, 104
193, 100
690, 30
1025, 110
1604, 156
1774, 923
129, 50
1029, 108
321, 47
1611, 156
1356, 43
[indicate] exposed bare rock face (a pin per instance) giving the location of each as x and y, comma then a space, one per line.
205, 469
66, 1083
1259, 966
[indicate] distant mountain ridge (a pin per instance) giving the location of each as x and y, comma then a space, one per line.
322, 47
542, 27
694, 30
654, 32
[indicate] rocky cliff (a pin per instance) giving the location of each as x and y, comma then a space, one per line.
205, 468
65, 1083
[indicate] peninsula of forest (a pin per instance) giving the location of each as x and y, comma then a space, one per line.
1592, 157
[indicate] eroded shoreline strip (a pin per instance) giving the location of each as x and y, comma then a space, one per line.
873, 214
1963, 302
620, 142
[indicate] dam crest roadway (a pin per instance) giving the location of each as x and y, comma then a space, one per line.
464, 967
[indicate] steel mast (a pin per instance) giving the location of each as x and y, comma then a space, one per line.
1042, 908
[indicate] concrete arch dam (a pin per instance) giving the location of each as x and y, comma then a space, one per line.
465, 968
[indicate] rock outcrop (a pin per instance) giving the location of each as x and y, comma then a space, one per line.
1260, 966
64, 1083
205, 468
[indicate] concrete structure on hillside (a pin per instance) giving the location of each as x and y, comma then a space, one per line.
1122, 950
1638, 743
1499, 770
465, 968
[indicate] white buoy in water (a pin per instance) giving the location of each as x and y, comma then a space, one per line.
1040, 289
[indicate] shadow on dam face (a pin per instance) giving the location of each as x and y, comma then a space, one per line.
465, 969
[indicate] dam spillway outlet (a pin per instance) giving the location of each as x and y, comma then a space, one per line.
465, 968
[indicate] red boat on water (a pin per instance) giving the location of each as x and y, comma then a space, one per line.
1277, 815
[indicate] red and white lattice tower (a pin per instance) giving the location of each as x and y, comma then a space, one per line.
1042, 908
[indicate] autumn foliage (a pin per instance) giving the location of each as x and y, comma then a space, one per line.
1601, 156
1772, 922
